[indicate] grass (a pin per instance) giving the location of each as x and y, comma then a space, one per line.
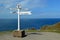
57, 31
5, 32
32, 30
8, 32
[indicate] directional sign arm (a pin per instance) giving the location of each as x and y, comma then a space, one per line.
26, 13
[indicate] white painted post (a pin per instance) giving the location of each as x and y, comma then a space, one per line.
20, 13
18, 20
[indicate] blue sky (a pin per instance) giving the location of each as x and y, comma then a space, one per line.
39, 8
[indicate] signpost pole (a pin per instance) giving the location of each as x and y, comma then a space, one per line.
18, 19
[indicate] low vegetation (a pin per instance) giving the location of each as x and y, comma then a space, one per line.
51, 28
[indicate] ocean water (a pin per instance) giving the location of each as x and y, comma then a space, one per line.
11, 24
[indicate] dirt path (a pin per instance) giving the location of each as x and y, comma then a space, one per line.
33, 36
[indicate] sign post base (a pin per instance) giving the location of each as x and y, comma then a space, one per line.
19, 33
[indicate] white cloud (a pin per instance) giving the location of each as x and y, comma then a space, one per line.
9, 3
33, 3
24, 3
30, 4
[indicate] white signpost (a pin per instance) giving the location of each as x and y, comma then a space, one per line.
19, 8
21, 13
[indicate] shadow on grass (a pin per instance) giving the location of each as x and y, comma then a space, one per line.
35, 33
24, 36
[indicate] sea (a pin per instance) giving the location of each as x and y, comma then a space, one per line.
12, 24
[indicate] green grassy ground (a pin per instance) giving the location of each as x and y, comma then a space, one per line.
7, 32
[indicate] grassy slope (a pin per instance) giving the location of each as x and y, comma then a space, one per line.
51, 28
